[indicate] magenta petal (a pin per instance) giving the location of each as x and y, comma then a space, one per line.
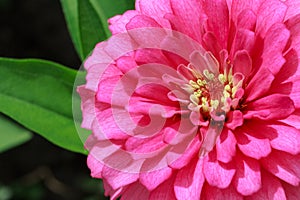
155, 9
295, 93
214, 47
242, 63
189, 180
246, 20
248, 178
187, 17
214, 193
234, 119
274, 45
191, 151
135, 191
293, 8
293, 119
109, 191
254, 88
118, 23
164, 191
152, 179
252, 146
292, 192
117, 178
87, 106
216, 173
243, 40
95, 166
285, 138
283, 165
239, 7
226, 146
270, 12
141, 21
271, 189
275, 106
218, 19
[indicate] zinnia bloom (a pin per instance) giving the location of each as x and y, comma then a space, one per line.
197, 99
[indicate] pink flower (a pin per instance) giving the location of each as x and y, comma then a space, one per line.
197, 99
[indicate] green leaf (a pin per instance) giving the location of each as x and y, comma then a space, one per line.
87, 21
38, 95
12, 134
107, 9
84, 25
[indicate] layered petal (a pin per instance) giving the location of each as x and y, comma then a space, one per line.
247, 179
214, 193
189, 181
216, 173
284, 166
151, 180
266, 108
271, 189
226, 146
253, 145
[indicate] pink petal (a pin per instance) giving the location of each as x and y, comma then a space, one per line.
141, 21
145, 145
242, 63
98, 56
226, 146
271, 189
289, 70
246, 20
292, 192
95, 166
275, 106
244, 40
218, 19
213, 47
189, 180
106, 126
254, 89
283, 137
253, 145
239, 7
135, 192
283, 165
117, 179
216, 173
87, 106
164, 191
247, 179
187, 17
293, 119
295, 93
214, 193
191, 151
118, 23
109, 191
270, 12
293, 25
203, 62
154, 178
292, 10
234, 119
274, 44
155, 9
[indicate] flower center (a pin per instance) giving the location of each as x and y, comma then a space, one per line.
212, 95
215, 92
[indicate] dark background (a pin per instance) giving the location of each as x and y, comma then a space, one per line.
39, 170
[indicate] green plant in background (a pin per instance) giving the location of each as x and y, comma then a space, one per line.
38, 94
